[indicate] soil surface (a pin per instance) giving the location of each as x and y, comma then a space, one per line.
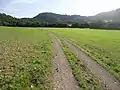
62, 73
106, 79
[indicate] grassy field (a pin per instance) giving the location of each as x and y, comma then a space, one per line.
26, 56
102, 45
25, 59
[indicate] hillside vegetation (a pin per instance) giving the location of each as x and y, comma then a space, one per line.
104, 20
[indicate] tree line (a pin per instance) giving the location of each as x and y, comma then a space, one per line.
6, 20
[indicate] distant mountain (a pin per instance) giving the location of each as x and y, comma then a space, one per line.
104, 20
113, 15
53, 18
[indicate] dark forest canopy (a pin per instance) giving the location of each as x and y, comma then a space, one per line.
107, 20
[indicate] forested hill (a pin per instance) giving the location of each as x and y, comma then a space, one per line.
108, 20
113, 15
53, 18
7, 20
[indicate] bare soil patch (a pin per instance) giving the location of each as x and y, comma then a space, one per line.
62, 73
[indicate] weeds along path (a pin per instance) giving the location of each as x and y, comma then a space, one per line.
106, 79
62, 73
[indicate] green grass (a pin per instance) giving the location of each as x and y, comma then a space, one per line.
25, 59
86, 80
26, 56
102, 45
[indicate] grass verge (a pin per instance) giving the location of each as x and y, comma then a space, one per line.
86, 80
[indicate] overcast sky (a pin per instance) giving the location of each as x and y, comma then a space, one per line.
30, 8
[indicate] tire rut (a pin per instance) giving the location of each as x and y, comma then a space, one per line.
62, 73
107, 80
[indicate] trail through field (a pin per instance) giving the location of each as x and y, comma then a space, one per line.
106, 79
63, 77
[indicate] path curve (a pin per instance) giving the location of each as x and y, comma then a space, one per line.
62, 73
103, 75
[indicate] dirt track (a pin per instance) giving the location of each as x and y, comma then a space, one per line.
63, 77
106, 79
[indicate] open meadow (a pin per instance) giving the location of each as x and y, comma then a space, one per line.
25, 59
35, 58
102, 45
